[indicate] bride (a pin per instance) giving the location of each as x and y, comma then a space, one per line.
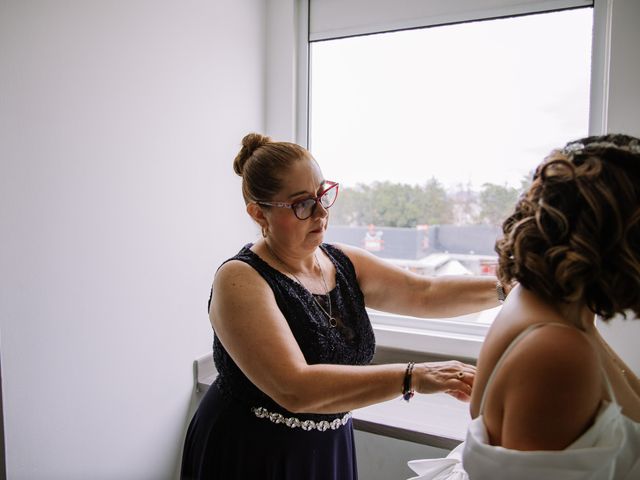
551, 398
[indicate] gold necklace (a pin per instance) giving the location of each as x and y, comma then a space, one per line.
332, 321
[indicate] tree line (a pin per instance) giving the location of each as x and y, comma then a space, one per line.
403, 205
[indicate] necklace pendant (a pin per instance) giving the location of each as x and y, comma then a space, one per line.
332, 322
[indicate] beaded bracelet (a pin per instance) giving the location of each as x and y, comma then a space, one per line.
407, 390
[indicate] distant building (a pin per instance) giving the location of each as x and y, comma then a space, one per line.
373, 240
433, 250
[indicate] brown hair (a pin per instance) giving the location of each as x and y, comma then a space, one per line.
575, 234
262, 163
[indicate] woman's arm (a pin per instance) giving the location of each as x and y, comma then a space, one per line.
392, 289
254, 332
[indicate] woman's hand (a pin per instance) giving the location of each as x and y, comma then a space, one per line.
452, 377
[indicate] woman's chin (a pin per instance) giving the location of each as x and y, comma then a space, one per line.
316, 236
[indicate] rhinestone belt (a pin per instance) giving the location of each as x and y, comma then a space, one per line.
293, 422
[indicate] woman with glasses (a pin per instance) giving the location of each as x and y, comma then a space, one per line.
292, 339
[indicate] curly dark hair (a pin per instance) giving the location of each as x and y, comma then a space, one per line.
575, 233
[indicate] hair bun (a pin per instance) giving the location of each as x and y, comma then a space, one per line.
250, 143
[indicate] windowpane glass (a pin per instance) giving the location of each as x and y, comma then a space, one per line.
433, 133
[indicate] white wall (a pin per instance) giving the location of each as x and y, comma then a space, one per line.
623, 115
624, 76
385, 458
119, 121
281, 81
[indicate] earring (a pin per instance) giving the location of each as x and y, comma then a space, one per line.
264, 232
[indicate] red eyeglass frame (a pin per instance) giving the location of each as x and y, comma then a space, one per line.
316, 199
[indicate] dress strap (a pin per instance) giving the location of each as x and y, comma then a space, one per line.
512, 345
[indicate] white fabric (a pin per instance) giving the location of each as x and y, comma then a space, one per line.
449, 468
609, 450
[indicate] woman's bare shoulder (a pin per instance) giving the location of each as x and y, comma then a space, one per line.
550, 353
363, 259
232, 268
558, 345
351, 251
550, 388
236, 276
359, 257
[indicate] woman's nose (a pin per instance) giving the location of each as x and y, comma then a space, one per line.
323, 211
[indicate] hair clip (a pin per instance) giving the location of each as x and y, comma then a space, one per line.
575, 147
579, 147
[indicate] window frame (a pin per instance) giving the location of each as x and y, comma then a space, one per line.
459, 337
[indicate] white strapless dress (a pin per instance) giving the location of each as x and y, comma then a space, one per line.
608, 450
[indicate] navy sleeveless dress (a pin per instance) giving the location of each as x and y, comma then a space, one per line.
240, 433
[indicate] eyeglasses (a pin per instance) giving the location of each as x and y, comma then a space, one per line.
303, 209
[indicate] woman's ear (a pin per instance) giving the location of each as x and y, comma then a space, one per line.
255, 212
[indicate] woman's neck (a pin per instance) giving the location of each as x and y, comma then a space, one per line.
304, 263
578, 314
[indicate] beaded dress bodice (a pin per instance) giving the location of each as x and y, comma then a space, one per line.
350, 343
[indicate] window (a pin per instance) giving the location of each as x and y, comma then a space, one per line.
434, 132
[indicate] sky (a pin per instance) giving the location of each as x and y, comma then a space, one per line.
466, 104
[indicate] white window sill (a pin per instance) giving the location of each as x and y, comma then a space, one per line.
437, 420
459, 337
